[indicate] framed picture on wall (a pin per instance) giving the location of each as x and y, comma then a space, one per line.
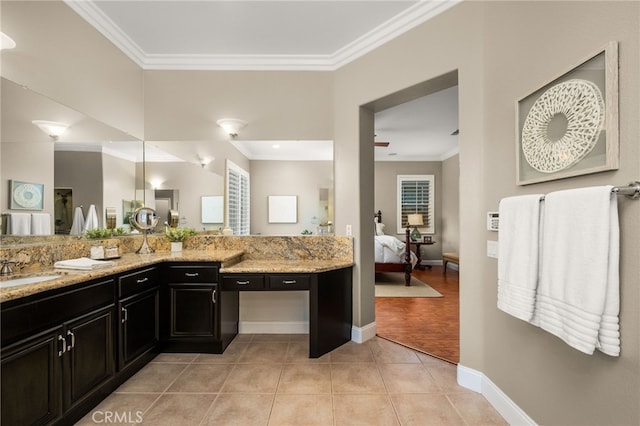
569, 126
25, 195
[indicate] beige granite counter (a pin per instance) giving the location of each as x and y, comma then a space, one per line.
284, 266
125, 263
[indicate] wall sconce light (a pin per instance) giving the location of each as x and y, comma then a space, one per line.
51, 128
6, 42
231, 125
156, 183
204, 161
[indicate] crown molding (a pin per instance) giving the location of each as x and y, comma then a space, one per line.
399, 24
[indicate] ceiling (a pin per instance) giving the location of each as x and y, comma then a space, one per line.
284, 35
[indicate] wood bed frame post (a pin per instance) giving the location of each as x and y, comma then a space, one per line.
407, 257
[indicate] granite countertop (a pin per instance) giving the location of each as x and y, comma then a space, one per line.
231, 261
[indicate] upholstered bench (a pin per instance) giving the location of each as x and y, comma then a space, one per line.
449, 257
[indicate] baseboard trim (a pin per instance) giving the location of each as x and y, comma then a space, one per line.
273, 327
478, 382
362, 334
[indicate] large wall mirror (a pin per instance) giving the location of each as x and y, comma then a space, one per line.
90, 164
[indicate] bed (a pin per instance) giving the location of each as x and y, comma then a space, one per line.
392, 254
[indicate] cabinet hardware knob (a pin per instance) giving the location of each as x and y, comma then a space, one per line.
124, 315
73, 340
288, 281
191, 274
143, 280
242, 282
64, 345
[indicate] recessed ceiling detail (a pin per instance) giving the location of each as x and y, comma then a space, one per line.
251, 35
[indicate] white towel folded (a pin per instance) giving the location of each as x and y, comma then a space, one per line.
40, 224
83, 263
518, 248
578, 297
91, 221
19, 224
78, 222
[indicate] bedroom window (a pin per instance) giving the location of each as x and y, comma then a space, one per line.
416, 195
237, 199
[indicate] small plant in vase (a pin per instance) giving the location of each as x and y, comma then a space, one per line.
177, 236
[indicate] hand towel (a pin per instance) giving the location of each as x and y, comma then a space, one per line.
19, 224
40, 224
78, 222
578, 297
83, 264
92, 219
518, 248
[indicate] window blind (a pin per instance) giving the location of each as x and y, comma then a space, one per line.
416, 196
238, 199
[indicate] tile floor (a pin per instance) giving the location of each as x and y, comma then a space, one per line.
269, 380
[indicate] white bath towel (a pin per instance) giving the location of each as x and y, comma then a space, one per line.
518, 249
83, 264
91, 221
40, 224
578, 297
19, 224
78, 222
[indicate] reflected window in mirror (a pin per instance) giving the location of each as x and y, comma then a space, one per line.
238, 199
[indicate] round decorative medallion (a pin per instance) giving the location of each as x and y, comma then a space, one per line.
27, 195
580, 103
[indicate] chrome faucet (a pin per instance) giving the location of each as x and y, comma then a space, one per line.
6, 268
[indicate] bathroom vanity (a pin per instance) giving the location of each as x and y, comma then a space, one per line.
67, 343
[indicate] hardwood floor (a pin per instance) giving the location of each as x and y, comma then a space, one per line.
429, 325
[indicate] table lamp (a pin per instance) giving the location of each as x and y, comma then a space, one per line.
415, 220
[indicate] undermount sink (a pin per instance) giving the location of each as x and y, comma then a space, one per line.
27, 280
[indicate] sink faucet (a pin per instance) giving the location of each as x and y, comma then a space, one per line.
6, 268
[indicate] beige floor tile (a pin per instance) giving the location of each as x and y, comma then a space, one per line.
299, 338
201, 378
475, 409
365, 410
231, 355
244, 338
358, 378
352, 352
273, 337
305, 379
431, 360
120, 409
154, 377
385, 351
264, 352
446, 377
239, 410
175, 358
307, 410
253, 378
298, 352
425, 410
178, 409
407, 378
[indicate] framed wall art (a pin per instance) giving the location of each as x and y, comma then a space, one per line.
283, 208
26, 196
569, 126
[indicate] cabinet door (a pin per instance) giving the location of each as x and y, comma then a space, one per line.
139, 317
90, 357
31, 379
193, 310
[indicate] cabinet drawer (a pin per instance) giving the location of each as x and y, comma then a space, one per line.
193, 274
137, 281
289, 282
243, 282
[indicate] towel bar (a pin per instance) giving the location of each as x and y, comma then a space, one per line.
632, 190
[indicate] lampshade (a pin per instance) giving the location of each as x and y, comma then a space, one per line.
415, 219
231, 125
51, 128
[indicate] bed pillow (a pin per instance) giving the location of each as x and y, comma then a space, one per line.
379, 228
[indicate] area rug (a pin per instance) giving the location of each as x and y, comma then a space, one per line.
391, 284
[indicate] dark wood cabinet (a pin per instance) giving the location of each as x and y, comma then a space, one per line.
32, 371
139, 315
196, 315
58, 369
